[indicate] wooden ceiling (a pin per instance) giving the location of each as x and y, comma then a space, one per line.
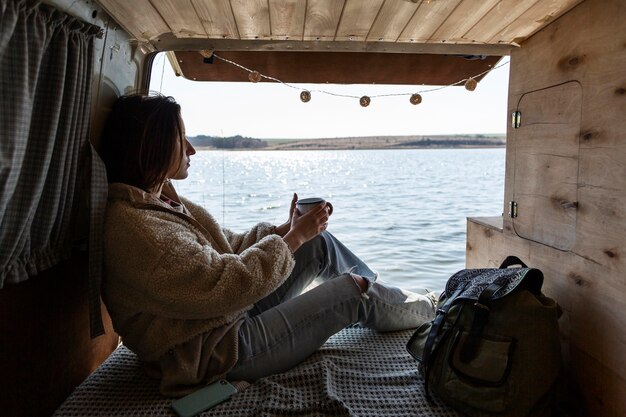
448, 27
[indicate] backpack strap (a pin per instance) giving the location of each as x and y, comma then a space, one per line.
481, 312
512, 260
481, 316
435, 329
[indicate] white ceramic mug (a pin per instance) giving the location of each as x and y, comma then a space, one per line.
306, 204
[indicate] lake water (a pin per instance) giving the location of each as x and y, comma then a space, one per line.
402, 211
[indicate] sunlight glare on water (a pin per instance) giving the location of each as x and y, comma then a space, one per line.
402, 211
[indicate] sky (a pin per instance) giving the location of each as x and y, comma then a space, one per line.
271, 110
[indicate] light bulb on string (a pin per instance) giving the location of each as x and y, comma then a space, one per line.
470, 84
415, 99
254, 76
305, 96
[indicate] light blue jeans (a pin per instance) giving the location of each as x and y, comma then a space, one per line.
288, 325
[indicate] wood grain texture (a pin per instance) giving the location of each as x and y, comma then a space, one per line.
598, 388
587, 280
217, 18
592, 327
427, 19
537, 16
498, 18
322, 18
463, 18
167, 42
334, 67
391, 20
546, 165
181, 18
138, 18
357, 19
287, 19
489, 22
252, 18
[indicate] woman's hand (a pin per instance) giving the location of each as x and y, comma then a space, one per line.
305, 227
285, 227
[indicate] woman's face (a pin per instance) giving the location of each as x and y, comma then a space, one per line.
180, 165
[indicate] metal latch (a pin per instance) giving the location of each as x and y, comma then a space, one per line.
516, 119
512, 209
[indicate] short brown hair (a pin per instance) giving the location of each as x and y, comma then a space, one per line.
139, 139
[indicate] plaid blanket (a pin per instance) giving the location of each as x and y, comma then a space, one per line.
358, 372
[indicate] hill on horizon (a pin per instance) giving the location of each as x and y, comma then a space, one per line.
363, 142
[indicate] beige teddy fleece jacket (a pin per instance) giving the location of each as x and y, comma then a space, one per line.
177, 285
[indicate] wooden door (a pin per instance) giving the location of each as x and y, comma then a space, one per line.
546, 145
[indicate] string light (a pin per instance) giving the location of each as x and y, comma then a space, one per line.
305, 96
254, 76
470, 84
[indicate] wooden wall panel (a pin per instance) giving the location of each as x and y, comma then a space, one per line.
287, 19
252, 18
428, 17
601, 225
139, 18
322, 18
585, 45
466, 15
532, 19
592, 326
498, 18
595, 58
391, 20
45, 348
217, 18
485, 22
335, 67
602, 220
597, 389
181, 18
357, 19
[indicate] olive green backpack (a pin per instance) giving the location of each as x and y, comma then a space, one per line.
493, 348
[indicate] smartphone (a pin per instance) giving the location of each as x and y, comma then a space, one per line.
203, 399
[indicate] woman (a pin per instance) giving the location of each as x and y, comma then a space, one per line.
197, 302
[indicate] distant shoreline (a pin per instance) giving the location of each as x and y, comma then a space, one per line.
352, 143
329, 148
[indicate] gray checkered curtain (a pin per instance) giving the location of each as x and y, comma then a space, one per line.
46, 60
